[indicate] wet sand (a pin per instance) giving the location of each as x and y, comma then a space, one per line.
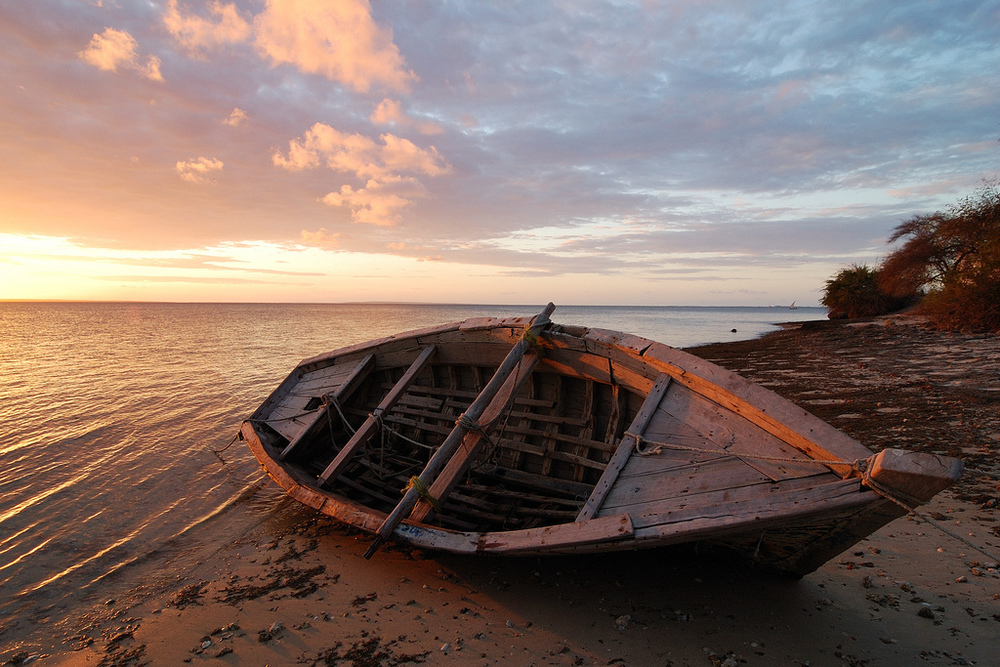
292, 588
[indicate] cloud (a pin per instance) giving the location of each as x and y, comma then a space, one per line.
200, 280
339, 40
390, 112
320, 238
116, 49
928, 189
403, 155
236, 118
387, 190
196, 170
196, 33
380, 202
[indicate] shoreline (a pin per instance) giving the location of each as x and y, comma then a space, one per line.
287, 586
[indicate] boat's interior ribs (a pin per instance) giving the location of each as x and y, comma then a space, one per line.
539, 464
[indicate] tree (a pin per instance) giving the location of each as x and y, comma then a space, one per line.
855, 292
953, 256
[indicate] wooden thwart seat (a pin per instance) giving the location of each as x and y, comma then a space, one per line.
371, 424
360, 372
625, 449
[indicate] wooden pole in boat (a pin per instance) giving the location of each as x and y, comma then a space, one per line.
448, 448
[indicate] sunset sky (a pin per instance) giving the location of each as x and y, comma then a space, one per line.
663, 153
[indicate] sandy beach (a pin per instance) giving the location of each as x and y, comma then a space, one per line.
293, 588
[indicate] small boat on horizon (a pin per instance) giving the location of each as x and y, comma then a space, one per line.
519, 436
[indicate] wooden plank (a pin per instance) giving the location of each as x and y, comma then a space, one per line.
288, 417
371, 425
470, 396
397, 419
738, 503
500, 492
322, 379
587, 431
654, 463
681, 480
619, 405
915, 474
360, 372
454, 439
542, 453
472, 441
625, 448
561, 437
591, 366
474, 354
685, 412
290, 407
761, 406
690, 525
822, 514
551, 429
531, 480
386, 344
592, 531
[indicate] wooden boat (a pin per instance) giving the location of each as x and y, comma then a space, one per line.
520, 436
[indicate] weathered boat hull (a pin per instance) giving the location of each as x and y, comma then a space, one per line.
475, 438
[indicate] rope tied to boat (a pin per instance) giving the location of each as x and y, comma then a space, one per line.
473, 426
423, 492
376, 417
238, 436
468, 423
860, 466
329, 400
533, 340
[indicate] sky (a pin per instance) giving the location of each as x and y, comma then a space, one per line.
682, 152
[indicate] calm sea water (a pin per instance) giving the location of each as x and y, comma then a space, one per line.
110, 413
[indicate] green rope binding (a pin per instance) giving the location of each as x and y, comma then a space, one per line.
423, 492
533, 340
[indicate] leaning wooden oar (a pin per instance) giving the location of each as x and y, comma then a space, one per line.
466, 423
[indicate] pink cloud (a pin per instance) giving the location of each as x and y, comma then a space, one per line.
320, 238
357, 154
236, 118
390, 112
380, 202
197, 170
337, 39
384, 165
195, 32
116, 49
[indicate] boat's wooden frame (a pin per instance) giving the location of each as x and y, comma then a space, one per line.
517, 436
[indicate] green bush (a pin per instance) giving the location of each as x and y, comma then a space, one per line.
855, 292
